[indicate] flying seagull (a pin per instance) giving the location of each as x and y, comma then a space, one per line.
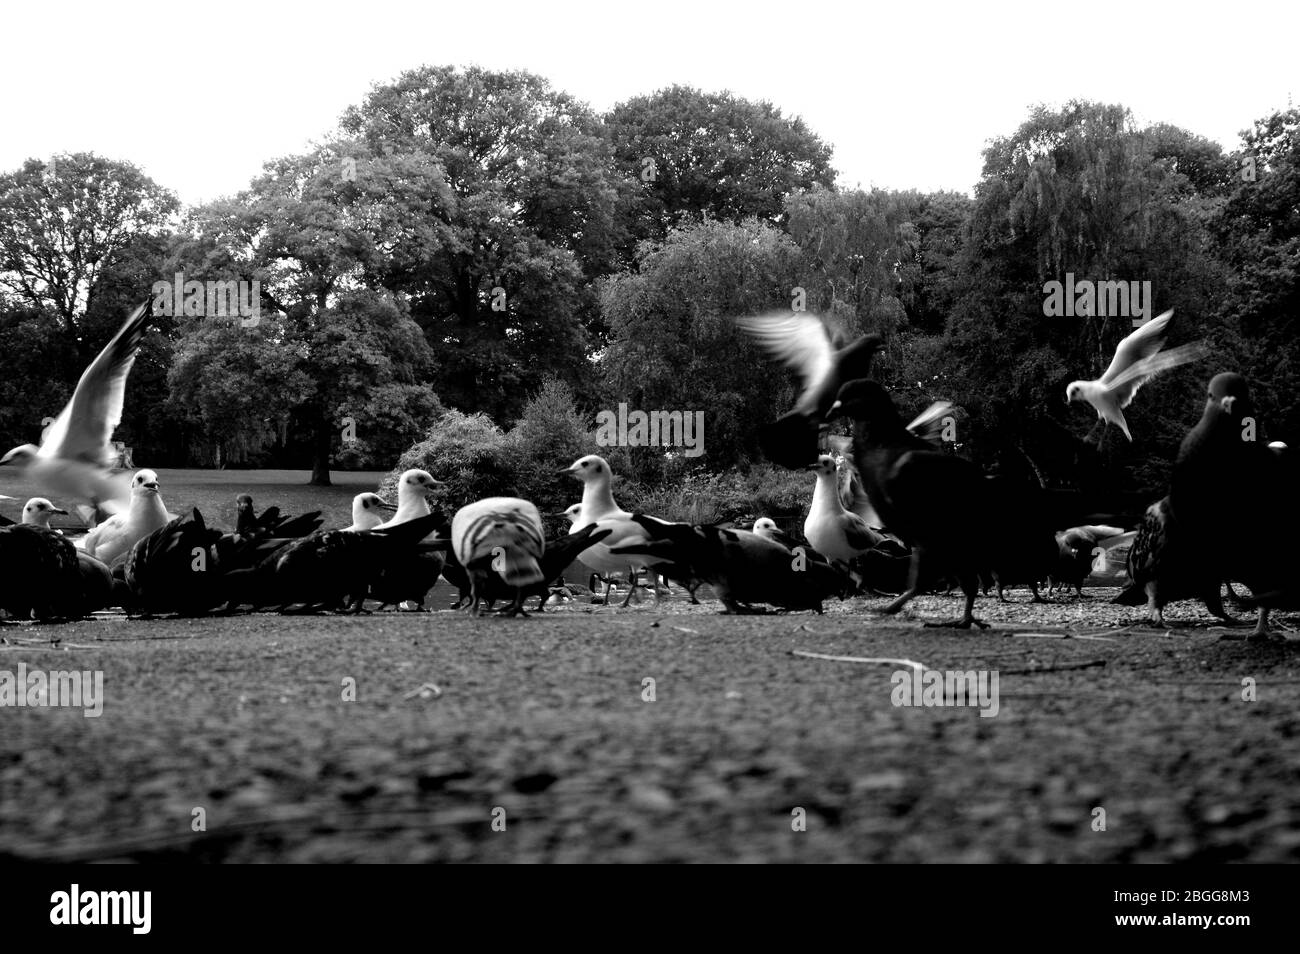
1137, 360
74, 459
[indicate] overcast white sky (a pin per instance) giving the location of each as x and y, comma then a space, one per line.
906, 92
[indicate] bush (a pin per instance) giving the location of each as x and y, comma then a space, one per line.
467, 452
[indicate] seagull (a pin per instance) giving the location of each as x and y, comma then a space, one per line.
824, 362
145, 514
766, 528
74, 457
1137, 360
38, 511
836, 533
598, 507
413, 489
368, 510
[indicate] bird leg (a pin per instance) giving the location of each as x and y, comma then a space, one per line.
1214, 603
1155, 612
913, 580
1038, 598
631, 589
967, 620
1261, 632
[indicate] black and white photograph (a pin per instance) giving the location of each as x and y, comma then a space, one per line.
660, 432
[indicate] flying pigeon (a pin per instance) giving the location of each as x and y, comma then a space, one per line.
1137, 360
74, 458
823, 361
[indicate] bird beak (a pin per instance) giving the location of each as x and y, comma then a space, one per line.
58, 510
567, 470
385, 505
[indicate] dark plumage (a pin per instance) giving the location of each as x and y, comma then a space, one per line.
410, 576
174, 569
39, 574
327, 569
935, 503
742, 567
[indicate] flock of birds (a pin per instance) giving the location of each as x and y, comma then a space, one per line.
892, 513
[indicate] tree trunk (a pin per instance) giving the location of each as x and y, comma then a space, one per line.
320, 456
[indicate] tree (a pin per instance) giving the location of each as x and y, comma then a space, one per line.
503, 288
63, 223
673, 344
717, 154
316, 240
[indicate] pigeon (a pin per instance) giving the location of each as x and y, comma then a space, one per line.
406, 579
38, 510
39, 574
173, 569
742, 567
598, 506
1137, 360
74, 458
245, 515
823, 361
501, 536
146, 513
935, 503
836, 533
413, 489
368, 511
327, 569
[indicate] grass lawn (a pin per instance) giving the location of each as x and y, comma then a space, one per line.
214, 492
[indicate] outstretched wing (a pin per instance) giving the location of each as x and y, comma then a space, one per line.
1142, 343
797, 339
83, 429
1127, 384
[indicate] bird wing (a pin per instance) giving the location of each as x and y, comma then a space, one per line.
858, 534
1142, 343
82, 430
797, 339
929, 423
1125, 385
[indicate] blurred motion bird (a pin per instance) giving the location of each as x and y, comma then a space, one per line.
1137, 360
1076, 552
145, 514
935, 503
75, 460
559, 554
823, 361
501, 536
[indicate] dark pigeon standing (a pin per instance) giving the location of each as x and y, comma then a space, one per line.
39, 574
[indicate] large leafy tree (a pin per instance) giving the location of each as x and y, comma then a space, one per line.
717, 154
335, 346
63, 223
502, 282
673, 344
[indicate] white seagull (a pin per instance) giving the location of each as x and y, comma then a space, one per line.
413, 489
120, 532
834, 532
1137, 360
598, 507
368, 511
74, 459
38, 511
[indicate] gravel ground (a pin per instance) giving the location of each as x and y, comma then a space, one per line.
546, 719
